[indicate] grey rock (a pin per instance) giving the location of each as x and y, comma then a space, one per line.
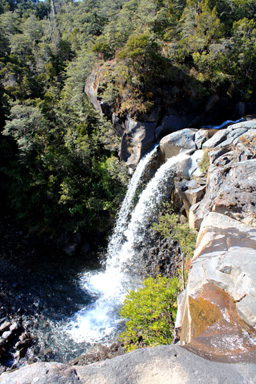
7, 335
244, 124
201, 136
220, 287
231, 190
246, 309
214, 155
215, 140
137, 139
189, 193
163, 364
5, 326
91, 89
172, 144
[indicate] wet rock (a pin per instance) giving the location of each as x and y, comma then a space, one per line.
85, 248
159, 256
15, 327
24, 342
218, 317
7, 335
99, 353
70, 249
20, 353
5, 326
137, 139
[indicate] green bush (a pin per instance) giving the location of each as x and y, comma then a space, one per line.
151, 312
205, 162
168, 226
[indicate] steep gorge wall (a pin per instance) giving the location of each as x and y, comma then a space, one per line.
216, 317
174, 107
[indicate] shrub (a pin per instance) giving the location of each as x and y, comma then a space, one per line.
151, 312
168, 226
205, 162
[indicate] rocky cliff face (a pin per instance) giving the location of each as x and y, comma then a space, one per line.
174, 107
217, 315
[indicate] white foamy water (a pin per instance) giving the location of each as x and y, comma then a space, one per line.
99, 321
121, 223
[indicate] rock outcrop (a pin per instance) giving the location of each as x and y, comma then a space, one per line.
231, 184
217, 315
183, 107
160, 365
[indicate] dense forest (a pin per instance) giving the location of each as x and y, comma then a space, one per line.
58, 156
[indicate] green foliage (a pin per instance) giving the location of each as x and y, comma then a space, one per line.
169, 226
205, 162
59, 157
150, 312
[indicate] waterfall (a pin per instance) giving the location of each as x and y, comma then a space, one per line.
121, 223
99, 321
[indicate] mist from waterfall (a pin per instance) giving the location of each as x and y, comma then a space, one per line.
99, 321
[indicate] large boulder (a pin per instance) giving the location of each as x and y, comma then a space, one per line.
217, 313
160, 365
176, 142
138, 137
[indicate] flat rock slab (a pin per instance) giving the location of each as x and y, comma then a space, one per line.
160, 365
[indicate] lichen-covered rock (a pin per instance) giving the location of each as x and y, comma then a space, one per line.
218, 315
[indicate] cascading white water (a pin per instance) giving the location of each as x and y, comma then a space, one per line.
99, 321
94, 322
149, 200
122, 218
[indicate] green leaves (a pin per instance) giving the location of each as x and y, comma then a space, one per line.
150, 312
169, 226
28, 127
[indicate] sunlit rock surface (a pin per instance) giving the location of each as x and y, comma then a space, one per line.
218, 312
160, 365
172, 144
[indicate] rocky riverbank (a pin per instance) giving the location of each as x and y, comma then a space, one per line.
38, 288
